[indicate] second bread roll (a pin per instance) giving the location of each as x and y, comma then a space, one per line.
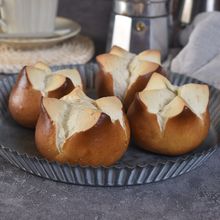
168, 119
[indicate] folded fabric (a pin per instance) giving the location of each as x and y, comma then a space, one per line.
200, 57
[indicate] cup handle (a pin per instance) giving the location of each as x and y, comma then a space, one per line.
2, 23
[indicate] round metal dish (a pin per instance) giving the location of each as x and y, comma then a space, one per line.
17, 145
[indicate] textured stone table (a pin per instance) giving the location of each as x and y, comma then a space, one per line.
194, 195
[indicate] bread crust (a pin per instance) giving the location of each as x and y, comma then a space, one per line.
23, 93
103, 81
63, 90
182, 133
45, 136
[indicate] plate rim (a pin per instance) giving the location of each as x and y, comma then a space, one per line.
116, 166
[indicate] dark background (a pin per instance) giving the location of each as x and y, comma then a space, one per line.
92, 15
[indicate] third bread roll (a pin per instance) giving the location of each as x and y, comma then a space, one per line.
122, 73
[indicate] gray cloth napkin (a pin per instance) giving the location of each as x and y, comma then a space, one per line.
200, 57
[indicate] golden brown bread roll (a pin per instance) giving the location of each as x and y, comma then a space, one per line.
168, 119
37, 81
122, 73
80, 130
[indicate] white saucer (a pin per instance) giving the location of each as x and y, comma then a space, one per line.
65, 27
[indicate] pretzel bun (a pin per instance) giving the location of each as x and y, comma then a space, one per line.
122, 73
168, 119
37, 81
80, 130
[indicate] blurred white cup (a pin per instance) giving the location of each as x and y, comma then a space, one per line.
28, 16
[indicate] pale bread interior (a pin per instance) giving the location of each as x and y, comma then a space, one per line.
119, 71
125, 67
167, 100
53, 81
76, 112
43, 66
42, 78
143, 63
196, 96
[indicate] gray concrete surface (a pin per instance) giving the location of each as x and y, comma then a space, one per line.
194, 195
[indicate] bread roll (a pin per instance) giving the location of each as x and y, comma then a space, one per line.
37, 81
122, 73
80, 130
168, 119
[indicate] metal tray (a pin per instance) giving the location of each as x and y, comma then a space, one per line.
17, 145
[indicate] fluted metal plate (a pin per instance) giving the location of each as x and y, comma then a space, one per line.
137, 166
